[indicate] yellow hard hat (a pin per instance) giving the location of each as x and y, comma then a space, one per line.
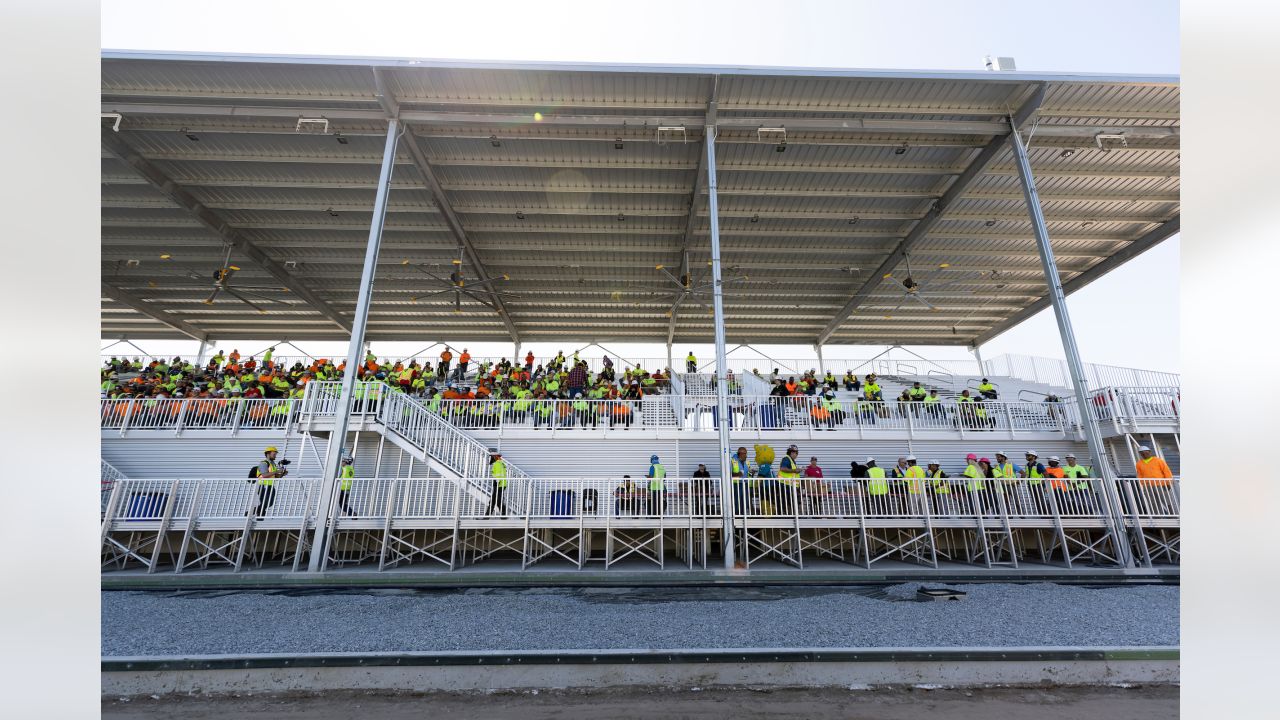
270, 448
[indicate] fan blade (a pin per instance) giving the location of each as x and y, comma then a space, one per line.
212, 295
457, 301
486, 282
922, 301
245, 300
483, 301
432, 275
895, 309
674, 279
260, 296
431, 295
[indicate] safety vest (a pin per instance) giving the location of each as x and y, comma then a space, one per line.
876, 484
930, 399
1005, 471
344, 482
1056, 478
656, 473
1033, 474
871, 389
787, 472
830, 405
914, 474
986, 388
736, 469
918, 393
498, 471
975, 483
691, 359
272, 469
1078, 475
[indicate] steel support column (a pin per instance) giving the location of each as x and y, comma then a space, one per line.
822, 365
1059, 301
722, 400
204, 345
355, 356
977, 355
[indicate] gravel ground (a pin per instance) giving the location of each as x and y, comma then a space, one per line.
194, 623
1096, 703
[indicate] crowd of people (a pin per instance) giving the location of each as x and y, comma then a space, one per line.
233, 376
763, 486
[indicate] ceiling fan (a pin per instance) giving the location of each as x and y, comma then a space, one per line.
686, 288
221, 280
457, 283
912, 288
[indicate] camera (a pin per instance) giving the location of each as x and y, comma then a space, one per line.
285, 462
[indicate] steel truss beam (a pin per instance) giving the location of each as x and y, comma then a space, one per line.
392, 109
208, 218
976, 168
1130, 251
699, 188
141, 306
997, 126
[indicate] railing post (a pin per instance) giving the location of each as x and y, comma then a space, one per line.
182, 416
235, 420
1008, 415
128, 415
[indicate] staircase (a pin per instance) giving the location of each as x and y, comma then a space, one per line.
442, 446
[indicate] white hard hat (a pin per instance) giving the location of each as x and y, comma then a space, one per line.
870, 459
911, 457
1053, 458
934, 462
1143, 447
1070, 456
1033, 452
1001, 452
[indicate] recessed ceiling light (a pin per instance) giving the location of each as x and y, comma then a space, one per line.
854, 220
494, 141
519, 214
341, 140
1067, 153
755, 218
989, 223
781, 147
621, 217
617, 144
901, 149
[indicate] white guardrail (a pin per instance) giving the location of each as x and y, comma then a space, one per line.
1126, 408
291, 501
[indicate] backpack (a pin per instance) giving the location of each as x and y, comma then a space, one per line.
253, 472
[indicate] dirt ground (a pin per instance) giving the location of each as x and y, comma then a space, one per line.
1096, 703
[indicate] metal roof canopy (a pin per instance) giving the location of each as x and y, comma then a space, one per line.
558, 176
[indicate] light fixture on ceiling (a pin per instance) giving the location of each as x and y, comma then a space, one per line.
519, 214
900, 150
131, 263
494, 141
1086, 223
780, 147
1067, 153
190, 135
617, 144
755, 218
340, 138
989, 223
290, 264
332, 212
854, 220
621, 217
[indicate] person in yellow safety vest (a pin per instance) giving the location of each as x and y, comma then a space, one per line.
345, 475
917, 393
739, 471
498, 479
656, 475
691, 363
266, 356
266, 475
1034, 471
987, 390
789, 477
877, 483
935, 470
1078, 481
1005, 470
913, 476
871, 389
829, 380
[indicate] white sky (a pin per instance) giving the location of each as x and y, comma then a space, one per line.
1129, 317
